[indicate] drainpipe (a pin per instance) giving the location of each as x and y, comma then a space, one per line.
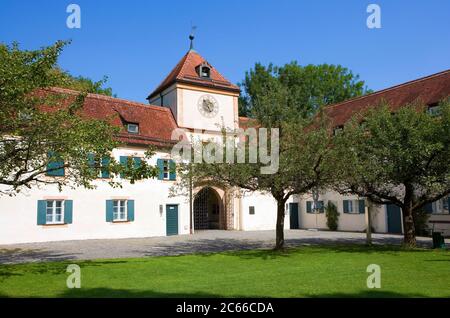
191, 212
368, 209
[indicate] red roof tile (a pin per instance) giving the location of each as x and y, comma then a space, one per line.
246, 122
427, 90
185, 72
155, 123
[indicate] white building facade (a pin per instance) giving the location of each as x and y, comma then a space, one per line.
194, 96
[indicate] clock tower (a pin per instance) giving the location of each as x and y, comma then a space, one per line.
198, 95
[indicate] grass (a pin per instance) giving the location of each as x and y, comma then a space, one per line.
311, 271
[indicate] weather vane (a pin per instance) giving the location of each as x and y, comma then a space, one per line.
192, 36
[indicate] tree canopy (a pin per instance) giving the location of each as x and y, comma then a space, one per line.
305, 88
56, 146
400, 157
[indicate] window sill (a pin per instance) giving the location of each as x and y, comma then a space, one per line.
54, 224
124, 221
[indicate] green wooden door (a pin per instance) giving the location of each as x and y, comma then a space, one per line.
394, 219
293, 213
171, 219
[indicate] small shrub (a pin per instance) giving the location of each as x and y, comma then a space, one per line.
332, 215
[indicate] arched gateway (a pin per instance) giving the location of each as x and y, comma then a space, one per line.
207, 209
210, 209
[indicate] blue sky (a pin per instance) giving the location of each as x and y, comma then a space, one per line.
136, 43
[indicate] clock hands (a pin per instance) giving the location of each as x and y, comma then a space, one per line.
208, 105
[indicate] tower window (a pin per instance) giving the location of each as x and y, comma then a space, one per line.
204, 71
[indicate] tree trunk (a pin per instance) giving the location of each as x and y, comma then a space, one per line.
279, 241
368, 207
409, 238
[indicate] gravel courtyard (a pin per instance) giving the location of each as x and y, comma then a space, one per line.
200, 242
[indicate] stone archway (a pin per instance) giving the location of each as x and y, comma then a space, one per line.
208, 210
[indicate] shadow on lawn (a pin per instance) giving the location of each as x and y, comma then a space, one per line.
54, 268
19, 255
124, 293
207, 247
269, 253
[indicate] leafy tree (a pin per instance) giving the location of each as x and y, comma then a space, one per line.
402, 158
35, 143
332, 214
307, 87
303, 165
81, 83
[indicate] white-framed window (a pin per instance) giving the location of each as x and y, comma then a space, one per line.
354, 206
351, 206
434, 110
54, 213
120, 210
441, 206
166, 169
337, 130
133, 128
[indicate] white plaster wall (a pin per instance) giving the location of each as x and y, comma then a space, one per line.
190, 116
347, 221
265, 216
18, 215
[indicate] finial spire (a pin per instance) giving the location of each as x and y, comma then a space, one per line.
191, 37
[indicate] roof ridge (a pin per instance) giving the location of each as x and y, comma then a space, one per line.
109, 98
179, 65
427, 77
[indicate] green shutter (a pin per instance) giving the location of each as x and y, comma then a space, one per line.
41, 212
308, 207
320, 206
105, 163
172, 169
55, 168
130, 210
346, 206
428, 208
160, 164
137, 162
68, 208
91, 162
109, 211
362, 206
123, 162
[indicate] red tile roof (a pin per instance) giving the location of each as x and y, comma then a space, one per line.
156, 123
427, 90
185, 72
246, 122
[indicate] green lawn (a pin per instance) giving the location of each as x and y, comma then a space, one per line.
320, 271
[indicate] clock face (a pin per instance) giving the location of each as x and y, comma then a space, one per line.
208, 106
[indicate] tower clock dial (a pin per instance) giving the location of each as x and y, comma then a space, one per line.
208, 106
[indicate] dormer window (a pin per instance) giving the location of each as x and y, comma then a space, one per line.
337, 130
434, 110
133, 128
204, 71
